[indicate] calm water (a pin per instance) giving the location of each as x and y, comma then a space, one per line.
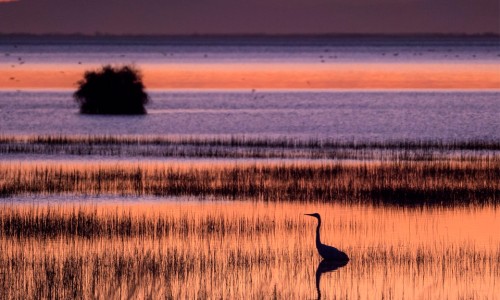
256, 250
245, 250
315, 114
340, 115
50, 50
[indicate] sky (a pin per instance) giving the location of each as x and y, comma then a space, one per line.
249, 16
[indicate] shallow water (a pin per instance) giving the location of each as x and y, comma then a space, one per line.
186, 248
306, 115
262, 250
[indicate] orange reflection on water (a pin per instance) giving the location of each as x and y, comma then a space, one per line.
192, 249
274, 76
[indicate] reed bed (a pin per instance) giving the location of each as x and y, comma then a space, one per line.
245, 250
252, 142
418, 219
241, 147
393, 183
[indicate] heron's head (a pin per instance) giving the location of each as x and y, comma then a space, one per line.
316, 215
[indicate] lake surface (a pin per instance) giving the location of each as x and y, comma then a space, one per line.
393, 115
257, 62
161, 50
144, 246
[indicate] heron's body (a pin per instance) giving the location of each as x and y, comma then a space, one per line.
327, 252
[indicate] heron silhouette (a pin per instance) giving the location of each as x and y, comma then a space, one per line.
327, 252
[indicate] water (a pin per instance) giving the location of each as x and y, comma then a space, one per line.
255, 250
151, 50
249, 249
358, 114
453, 115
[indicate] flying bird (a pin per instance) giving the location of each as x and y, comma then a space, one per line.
327, 252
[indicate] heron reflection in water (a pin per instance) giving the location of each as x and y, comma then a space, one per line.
326, 266
333, 258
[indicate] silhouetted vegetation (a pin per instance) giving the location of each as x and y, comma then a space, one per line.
443, 183
112, 90
241, 147
156, 251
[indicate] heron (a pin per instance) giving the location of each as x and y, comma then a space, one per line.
327, 252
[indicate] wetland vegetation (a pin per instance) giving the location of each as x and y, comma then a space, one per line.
398, 183
241, 147
204, 198
417, 218
112, 91
244, 250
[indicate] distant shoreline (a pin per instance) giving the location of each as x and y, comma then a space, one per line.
288, 40
248, 35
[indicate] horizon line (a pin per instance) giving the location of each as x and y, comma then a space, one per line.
249, 35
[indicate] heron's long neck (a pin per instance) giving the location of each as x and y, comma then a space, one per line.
318, 240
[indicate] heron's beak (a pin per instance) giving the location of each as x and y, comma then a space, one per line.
308, 215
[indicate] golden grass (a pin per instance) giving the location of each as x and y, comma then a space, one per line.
244, 250
401, 183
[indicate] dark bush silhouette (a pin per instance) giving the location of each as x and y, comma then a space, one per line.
112, 90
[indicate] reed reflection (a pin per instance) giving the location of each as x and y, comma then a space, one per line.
143, 249
326, 266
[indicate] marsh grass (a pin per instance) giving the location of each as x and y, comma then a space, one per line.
241, 147
419, 219
395, 183
245, 250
